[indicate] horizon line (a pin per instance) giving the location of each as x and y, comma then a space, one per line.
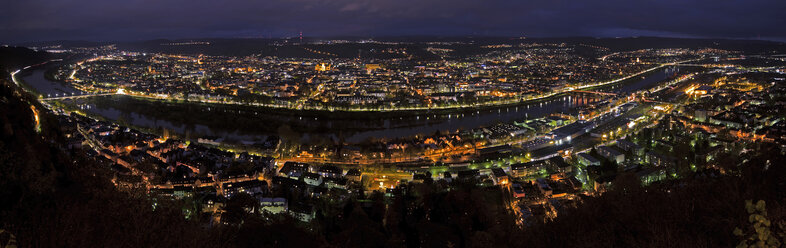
360, 37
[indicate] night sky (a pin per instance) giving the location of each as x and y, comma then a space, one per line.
103, 20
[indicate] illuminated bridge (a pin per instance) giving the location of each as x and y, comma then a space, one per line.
66, 96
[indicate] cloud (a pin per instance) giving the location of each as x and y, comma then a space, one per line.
144, 19
350, 7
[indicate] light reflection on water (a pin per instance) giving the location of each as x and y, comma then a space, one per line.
352, 130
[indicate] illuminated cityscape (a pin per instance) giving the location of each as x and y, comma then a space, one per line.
429, 136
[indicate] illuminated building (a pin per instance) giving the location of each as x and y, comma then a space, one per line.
371, 67
322, 67
703, 90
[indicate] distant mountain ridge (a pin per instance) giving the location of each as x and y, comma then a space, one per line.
247, 46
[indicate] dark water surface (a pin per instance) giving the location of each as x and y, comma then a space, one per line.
246, 125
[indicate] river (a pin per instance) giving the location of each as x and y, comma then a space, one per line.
249, 125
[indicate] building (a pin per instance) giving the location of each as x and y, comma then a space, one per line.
273, 205
544, 187
660, 160
611, 154
537, 143
250, 187
494, 151
302, 212
568, 132
353, 175
371, 67
558, 164
517, 190
468, 174
447, 176
499, 176
322, 67
293, 169
332, 182
631, 147
650, 175
312, 179
703, 90
420, 178
527, 169
180, 192
330, 171
212, 203
556, 121
587, 160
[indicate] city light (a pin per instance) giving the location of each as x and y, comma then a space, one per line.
316, 136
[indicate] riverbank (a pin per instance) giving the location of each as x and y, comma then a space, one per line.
253, 123
397, 112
